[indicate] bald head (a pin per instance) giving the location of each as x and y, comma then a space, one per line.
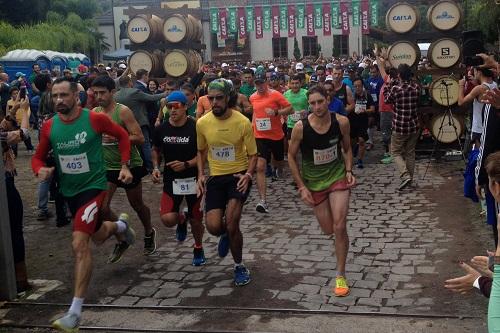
4, 77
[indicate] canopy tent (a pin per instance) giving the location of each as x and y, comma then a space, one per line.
120, 54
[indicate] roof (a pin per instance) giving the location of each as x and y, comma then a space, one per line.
23, 55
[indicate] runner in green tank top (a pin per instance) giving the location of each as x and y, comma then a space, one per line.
326, 179
104, 88
75, 136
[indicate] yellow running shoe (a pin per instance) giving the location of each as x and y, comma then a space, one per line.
341, 288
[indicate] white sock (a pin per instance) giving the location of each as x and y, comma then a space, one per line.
76, 306
238, 264
120, 226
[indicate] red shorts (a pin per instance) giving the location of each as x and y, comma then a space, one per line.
321, 196
85, 208
171, 204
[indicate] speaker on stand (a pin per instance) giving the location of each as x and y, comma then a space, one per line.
472, 44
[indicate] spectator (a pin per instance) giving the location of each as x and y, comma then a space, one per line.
4, 94
142, 77
18, 110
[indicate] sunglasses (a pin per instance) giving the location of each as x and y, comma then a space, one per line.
175, 105
216, 98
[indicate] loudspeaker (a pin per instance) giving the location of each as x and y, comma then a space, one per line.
472, 44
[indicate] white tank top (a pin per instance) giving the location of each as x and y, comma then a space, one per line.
477, 111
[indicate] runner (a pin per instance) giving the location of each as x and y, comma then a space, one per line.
358, 119
225, 137
268, 108
326, 175
75, 136
297, 97
342, 91
104, 88
175, 141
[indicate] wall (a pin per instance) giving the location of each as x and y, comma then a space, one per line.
109, 35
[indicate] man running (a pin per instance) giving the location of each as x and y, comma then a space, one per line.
326, 176
104, 88
175, 141
225, 137
358, 119
297, 97
268, 108
75, 136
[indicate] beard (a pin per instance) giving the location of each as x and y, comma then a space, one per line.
65, 109
218, 112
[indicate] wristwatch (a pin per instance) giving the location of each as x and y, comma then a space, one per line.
186, 165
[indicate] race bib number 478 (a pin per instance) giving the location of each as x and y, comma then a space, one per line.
74, 164
325, 156
225, 153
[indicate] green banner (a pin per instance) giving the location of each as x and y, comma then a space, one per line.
214, 20
283, 18
250, 18
335, 15
266, 13
300, 11
232, 20
355, 13
374, 12
318, 16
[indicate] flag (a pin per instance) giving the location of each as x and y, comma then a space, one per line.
318, 24
223, 23
276, 21
365, 11
266, 13
291, 21
283, 17
327, 28
344, 13
232, 25
335, 15
301, 14
250, 18
310, 19
374, 12
355, 13
242, 23
214, 20
258, 23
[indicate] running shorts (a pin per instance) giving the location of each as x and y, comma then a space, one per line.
85, 208
266, 147
137, 174
221, 189
171, 203
321, 196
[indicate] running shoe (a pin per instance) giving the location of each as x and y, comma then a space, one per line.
404, 183
223, 246
387, 160
150, 243
341, 288
122, 246
44, 215
199, 257
68, 324
241, 275
262, 207
359, 164
269, 171
181, 231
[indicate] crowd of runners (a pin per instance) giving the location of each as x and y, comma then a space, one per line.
207, 140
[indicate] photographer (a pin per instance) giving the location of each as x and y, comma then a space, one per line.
17, 108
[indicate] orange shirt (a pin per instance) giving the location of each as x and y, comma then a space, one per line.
268, 126
203, 106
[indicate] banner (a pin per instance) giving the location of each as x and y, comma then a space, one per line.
223, 23
232, 25
250, 16
355, 13
374, 12
242, 23
266, 13
291, 21
365, 9
327, 28
335, 15
344, 13
214, 20
301, 14
318, 24
258, 23
276, 21
310, 20
283, 17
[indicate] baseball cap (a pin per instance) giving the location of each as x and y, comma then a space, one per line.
108, 68
260, 78
274, 76
329, 78
314, 78
299, 65
18, 74
100, 65
329, 66
177, 96
224, 65
122, 66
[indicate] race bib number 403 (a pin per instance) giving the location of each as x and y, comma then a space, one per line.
74, 164
263, 124
186, 186
325, 156
225, 153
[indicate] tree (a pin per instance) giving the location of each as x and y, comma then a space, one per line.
484, 15
296, 49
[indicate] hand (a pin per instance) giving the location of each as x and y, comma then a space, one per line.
492, 97
480, 263
125, 175
45, 173
306, 196
200, 185
384, 53
489, 61
270, 112
177, 166
461, 83
479, 192
464, 283
242, 185
157, 122
156, 175
351, 181
375, 49
108, 138
24, 103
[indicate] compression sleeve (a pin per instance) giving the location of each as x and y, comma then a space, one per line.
494, 304
43, 148
103, 124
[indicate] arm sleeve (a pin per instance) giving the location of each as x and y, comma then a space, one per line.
485, 285
249, 139
494, 304
200, 138
103, 124
38, 160
142, 96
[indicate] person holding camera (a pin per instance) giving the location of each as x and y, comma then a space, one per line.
18, 107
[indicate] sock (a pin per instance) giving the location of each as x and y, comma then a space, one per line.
198, 246
340, 274
76, 306
120, 226
238, 264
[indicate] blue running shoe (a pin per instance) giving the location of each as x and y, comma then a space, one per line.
181, 231
199, 257
223, 247
241, 275
269, 171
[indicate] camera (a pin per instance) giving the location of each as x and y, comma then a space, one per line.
22, 93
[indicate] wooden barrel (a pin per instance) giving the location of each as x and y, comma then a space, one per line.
447, 128
438, 90
444, 53
145, 60
444, 15
178, 63
143, 29
402, 18
403, 52
178, 28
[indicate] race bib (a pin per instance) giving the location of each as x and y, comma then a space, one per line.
74, 164
263, 124
225, 153
295, 116
186, 186
360, 108
374, 96
325, 156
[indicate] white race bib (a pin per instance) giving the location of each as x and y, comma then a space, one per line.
186, 186
374, 97
325, 156
74, 164
360, 108
225, 153
263, 124
296, 115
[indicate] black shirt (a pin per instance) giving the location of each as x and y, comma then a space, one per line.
342, 94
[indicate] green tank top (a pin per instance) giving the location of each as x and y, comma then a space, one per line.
78, 152
112, 156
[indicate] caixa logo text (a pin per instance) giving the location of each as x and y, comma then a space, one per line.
402, 18
139, 29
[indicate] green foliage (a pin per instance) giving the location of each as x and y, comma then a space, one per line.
484, 15
54, 17
296, 50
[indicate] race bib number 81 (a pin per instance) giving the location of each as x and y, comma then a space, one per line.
186, 186
74, 164
325, 156
225, 153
